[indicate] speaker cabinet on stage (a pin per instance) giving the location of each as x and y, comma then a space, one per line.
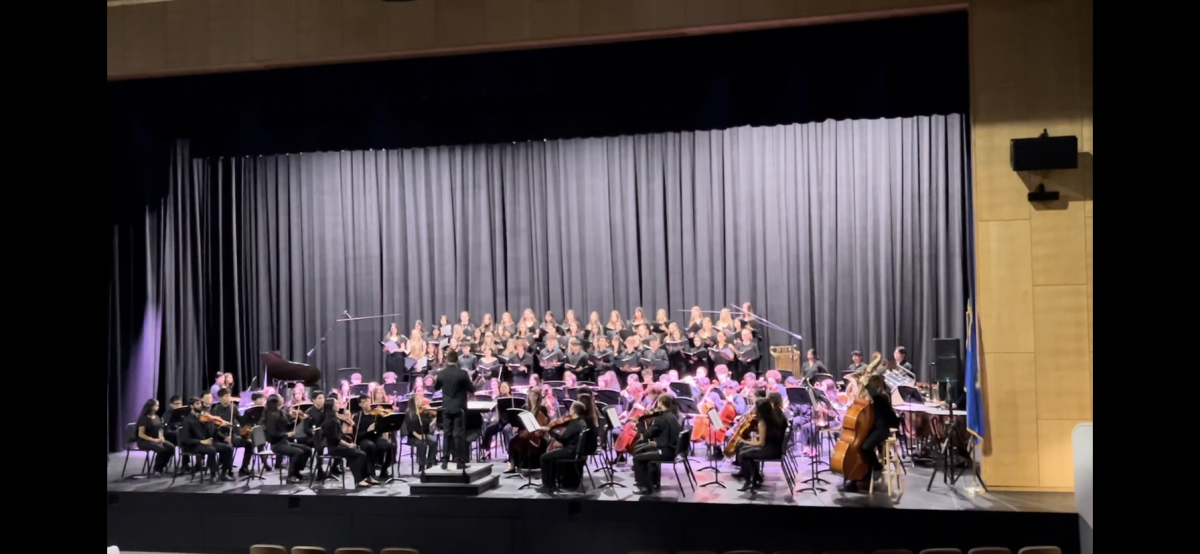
948, 354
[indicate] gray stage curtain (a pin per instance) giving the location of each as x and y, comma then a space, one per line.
850, 233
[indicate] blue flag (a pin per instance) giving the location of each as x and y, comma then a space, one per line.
973, 375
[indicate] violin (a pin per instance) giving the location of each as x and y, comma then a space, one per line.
215, 420
380, 412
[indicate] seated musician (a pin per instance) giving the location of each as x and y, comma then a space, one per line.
314, 413
379, 449
732, 395
150, 436
858, 365
227, 410
632, 395
419, 426
171, 431
339, 444
885, 420
662, 441
280, 434
569, 380
608, 381
767, 445
499, 427
534, 404
299, 395
197, 438
206, 401
575, 430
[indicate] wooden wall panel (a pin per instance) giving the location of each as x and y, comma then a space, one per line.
187, 25
275, 27
230, 32
554, 18
145, 37
413, 25
366, 26
758, 10
1005, 285
319, 28
1091, 279
1012, 424
1061, 323
661, 14
711, 12
603, 17
1060, 246
1054, 447
116, 41
506, 20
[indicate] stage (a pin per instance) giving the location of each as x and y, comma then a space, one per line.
227, 517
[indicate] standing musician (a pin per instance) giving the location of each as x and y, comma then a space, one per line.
767, 445
576, 430
900, 355
695, 321
519, 365
486, 327
227, 411
395, 358
507, 328
748, 356
464, 324
578, 362
594, 328
150, 436
662, 441
885, 420
279, 432
813, 366
466, 360
376, 446
551, 357
456, 386
856, 366
339, 444
418, 422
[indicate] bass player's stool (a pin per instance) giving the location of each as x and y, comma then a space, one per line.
892, 470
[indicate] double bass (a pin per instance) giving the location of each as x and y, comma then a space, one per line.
526, 449
847, 459
742, 434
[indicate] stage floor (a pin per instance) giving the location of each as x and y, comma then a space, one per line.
915, 497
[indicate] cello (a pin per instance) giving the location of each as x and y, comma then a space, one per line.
629, 433
847, 459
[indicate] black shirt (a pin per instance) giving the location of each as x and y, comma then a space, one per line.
227, 413
152, 426
665, 433
276, 428
193, 431
571, 435
331, 432
455, 385
420, 425
885, 415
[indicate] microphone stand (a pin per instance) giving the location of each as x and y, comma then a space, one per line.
347, 317
766, 322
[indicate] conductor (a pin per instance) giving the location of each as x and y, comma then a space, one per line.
455, 385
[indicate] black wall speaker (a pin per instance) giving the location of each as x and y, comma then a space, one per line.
1044, 153
948, 354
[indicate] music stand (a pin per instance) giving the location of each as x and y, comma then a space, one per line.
681, 389
521, 419
388, 424
573, 393
396, 390
177, 415
343, 374
714, 419
612, 420
361, 389
607, 396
